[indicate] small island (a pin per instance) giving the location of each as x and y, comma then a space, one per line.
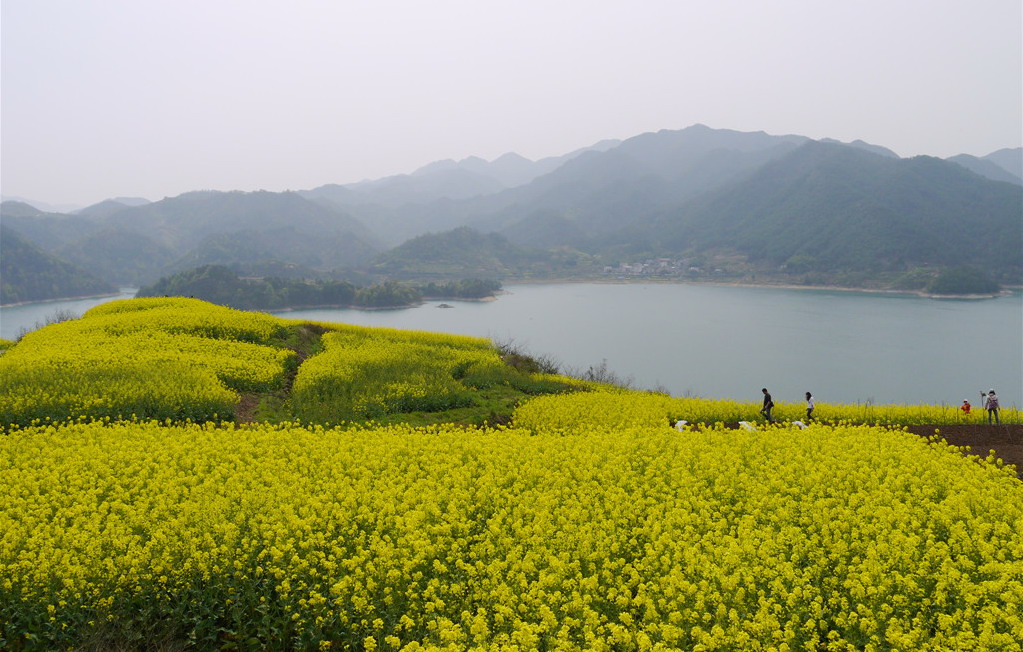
963, 282
219, 284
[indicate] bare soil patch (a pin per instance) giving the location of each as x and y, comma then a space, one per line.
1005, 440
246, 410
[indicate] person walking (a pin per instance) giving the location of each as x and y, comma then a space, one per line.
991, 405
768, 405
809, 406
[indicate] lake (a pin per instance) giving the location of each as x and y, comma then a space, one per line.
728, 341
14, 320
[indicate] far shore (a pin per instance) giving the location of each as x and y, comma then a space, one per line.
1006, 290
356, 307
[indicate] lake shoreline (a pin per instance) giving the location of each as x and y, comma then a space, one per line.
82, 298
779, 286
403, 306
843, 346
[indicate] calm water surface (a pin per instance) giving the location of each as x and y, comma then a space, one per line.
728, 342
15, 320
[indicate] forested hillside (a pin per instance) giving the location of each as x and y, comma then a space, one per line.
826, 207
123, 256
29, 274
465, 252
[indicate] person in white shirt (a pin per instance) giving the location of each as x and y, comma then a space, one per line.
809, 406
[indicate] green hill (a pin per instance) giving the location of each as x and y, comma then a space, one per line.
218, 284
30, 274
466, 253
223, 286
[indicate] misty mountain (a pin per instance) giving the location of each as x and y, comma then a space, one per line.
867, 147
132, 201
29, 274
15, 208
985, 168
1009, 159
141, 243
511, 169
441, 195
48, 231
600, 192
827, 207
184, 221
508, 170
283, 244
585, 194
783, 204
416, 188
41, 206
121, 256
108, 207
591, 191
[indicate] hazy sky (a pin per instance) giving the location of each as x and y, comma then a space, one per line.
152, 98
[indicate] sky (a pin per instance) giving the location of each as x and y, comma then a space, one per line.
153, 98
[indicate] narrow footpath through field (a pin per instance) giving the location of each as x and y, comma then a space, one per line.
305, 341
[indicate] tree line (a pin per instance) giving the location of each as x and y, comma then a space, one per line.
218, 284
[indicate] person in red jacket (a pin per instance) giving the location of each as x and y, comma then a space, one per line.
965, 407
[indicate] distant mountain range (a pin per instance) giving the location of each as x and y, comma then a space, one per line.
746, 201
139, 244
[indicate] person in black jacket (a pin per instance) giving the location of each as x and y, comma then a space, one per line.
768, 405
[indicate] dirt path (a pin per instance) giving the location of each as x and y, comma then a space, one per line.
307, 340
246, 410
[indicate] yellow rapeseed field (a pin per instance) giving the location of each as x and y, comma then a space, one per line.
368, 372
162, 358
590, 524
632, 538
611, 409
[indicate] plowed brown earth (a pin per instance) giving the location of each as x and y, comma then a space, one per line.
1005, 440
